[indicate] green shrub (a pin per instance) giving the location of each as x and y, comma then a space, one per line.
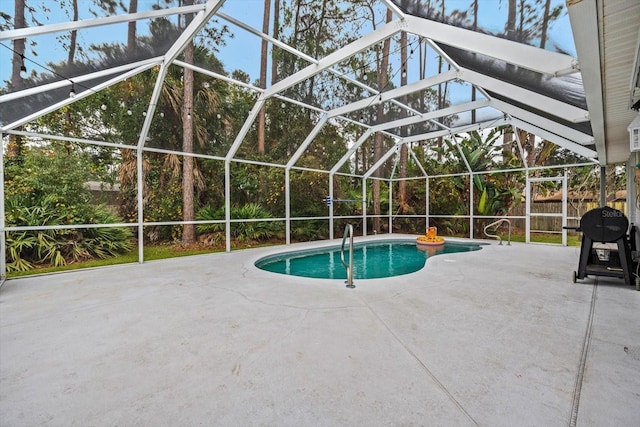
309, 230
45, 186
57, 247
244, 230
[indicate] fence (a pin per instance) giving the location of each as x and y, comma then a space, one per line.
574, 212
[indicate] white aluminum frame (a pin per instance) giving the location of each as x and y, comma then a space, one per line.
538, 60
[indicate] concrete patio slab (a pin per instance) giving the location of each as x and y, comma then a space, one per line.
496, 337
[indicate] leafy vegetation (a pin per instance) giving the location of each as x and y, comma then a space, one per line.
243, 231
53, 193
45, 180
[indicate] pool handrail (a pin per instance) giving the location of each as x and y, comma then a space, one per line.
496, 224
348, 232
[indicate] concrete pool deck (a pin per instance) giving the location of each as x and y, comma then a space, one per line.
497, 337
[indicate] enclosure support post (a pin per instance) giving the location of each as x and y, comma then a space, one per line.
564, 207
633, 181
364, 206
140, 196
471, 205
426, 202
330, 202
466, 163
390, 207
287, 206
253, 114
144, 132
527, 212
3, 237
393, 172
227, 204
603, 186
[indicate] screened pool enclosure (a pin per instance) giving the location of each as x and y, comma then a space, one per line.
212, 120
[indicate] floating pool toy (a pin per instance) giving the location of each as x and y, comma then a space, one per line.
431, 238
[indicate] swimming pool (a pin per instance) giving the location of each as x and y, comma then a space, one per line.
371, 260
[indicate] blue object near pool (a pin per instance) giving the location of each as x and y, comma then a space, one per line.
371, 260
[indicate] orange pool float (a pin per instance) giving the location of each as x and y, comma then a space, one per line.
431, 238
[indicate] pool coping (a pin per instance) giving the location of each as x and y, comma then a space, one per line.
300, 253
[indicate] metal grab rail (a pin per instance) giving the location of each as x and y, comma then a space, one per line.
348, 232
496, 224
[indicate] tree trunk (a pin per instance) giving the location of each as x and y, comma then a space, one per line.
531, 155
383, 65
18, 45
73, 41
14, 147
276, 34
188, 210
263, 76
510, 29
521, 22
507, 143
131, 30
404, 151
545, 24
528, 141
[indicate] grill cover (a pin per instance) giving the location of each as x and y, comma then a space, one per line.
604, 224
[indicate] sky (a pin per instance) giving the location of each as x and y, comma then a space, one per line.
49, 49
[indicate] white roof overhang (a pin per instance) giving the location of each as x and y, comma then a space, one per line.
607, 38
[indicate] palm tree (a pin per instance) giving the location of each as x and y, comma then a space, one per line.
194, 101
188, 211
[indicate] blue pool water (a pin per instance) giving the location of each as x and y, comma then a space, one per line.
371, 260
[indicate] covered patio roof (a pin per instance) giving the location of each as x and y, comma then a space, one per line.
607, 37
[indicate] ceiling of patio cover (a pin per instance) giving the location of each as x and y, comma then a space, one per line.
567, 89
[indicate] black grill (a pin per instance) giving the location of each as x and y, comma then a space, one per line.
600, 226
604, 225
